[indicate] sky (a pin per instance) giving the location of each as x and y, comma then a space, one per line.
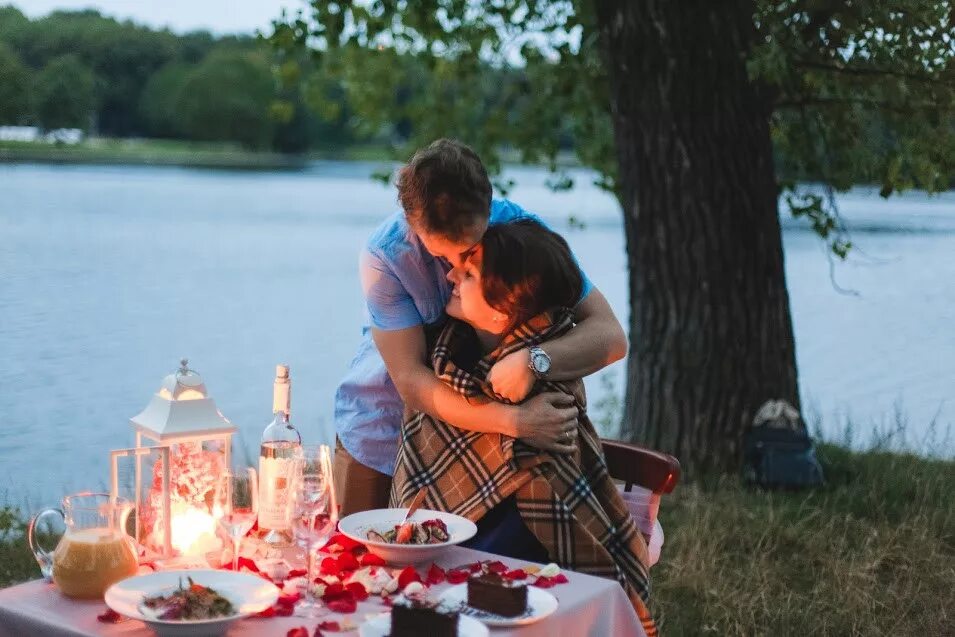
217, 16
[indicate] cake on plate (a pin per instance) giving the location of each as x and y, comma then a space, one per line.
418, 615
492, 593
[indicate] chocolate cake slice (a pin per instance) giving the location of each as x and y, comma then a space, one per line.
416, 616
492, 593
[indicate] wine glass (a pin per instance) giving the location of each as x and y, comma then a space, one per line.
237, 503
314, 519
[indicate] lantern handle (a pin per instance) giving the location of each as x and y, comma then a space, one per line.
184, 367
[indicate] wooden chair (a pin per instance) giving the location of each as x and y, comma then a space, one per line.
654, 473
635, 465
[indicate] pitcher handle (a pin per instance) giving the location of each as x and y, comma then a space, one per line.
43, 557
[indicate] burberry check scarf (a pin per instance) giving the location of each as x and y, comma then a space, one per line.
568, 501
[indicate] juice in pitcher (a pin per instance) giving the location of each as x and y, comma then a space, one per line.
95, 552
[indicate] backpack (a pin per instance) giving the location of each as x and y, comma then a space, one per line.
777, 450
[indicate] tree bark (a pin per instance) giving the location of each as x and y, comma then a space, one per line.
710, 330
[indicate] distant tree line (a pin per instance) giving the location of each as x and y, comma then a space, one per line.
118, 79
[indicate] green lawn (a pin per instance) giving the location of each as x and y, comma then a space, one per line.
871, 554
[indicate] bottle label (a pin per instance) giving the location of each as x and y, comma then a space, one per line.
275, 493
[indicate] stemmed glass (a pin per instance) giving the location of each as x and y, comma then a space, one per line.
314, 516
237, 505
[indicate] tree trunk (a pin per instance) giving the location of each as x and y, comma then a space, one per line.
710, 330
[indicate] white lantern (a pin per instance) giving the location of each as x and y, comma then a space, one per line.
190, 443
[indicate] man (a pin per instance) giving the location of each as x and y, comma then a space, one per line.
445, 194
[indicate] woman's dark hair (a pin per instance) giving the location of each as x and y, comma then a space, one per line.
527, 269
445, 187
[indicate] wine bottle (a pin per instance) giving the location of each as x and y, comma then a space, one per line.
281, 443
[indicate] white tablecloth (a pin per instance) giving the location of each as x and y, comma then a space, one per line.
589, 606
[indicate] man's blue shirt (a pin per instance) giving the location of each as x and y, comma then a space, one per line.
404, 285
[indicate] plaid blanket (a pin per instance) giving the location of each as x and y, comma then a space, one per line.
568, 501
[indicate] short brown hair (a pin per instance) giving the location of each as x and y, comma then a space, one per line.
445, 187
527, 269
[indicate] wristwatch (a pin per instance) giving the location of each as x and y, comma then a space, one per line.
539, 363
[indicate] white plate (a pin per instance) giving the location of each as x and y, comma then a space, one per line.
380, 626
249, 594
540, 604
357, 525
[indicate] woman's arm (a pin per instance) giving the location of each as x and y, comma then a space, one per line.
597, 340
545, 421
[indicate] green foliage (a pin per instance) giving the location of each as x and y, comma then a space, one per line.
858, 92
139, 74
15, 104
862, 91
64, 94
159, 102
227, 97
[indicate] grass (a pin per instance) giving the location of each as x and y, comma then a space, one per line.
872, 553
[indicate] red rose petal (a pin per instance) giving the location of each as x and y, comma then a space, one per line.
516, 574
386, 600
474, 568
301, 631
458, 576
497, 567
544, 582
268, 612
343, 542
334, 627
343, 605
560, 578
407, 576
244, 562
347, 562
109, 616
330, 566
370, 559
357, 589
334, 591
285, 611
436, 575
297, 572
289, 599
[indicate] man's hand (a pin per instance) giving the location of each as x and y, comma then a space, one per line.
511, 376
549, 422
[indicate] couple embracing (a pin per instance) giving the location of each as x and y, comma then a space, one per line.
467, 381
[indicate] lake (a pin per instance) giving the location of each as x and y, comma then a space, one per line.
108, 275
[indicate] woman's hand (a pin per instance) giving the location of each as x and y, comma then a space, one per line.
511, 377
549, 422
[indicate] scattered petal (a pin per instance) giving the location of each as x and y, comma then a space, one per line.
330, 566
436, 575
516, 574
297, 572
110, 616
334, 627
408, 575
370, 559
497, 567
550, 570
458, 576
301, 631
340, 542
347, 562
358, 590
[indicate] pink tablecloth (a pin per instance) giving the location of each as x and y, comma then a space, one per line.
588, 606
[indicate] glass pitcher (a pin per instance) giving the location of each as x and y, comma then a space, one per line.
95, 552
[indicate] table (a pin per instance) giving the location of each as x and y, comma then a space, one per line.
589, 606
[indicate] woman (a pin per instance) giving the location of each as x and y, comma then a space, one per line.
515, 291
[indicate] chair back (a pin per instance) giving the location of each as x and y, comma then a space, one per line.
635, 465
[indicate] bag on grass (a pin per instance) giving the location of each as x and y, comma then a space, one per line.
777, 450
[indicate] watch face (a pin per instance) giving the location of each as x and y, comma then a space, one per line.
541, 362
